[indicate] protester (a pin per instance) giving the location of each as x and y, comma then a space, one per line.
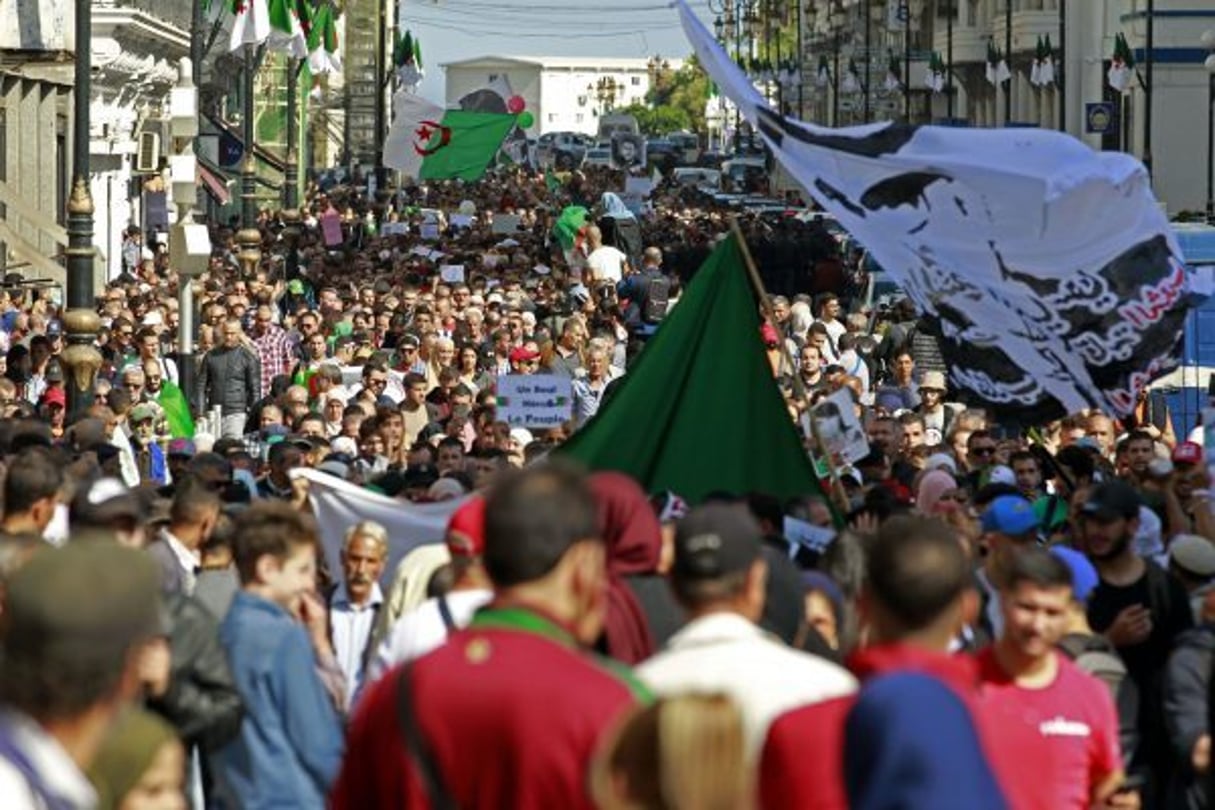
141, 764
544, 555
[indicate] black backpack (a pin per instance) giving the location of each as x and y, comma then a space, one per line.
655, 296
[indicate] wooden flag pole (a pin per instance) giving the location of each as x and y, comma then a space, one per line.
837, 488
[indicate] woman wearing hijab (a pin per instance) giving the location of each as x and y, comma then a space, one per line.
140, 766
642, 613
930, 498
619, 227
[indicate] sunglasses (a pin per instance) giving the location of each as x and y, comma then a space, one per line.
982, 451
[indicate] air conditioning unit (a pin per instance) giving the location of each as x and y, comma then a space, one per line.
147, 159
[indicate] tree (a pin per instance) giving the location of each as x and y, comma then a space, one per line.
658, 120
684, 90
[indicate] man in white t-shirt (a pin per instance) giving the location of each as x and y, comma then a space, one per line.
427, 627
606, 263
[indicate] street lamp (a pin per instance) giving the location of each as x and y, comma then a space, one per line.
605, 90
249, 237
1208, 41
189, 242
81, 321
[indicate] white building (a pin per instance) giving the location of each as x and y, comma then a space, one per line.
564, 94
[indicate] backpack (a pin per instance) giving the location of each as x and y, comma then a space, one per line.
656, 293
1097, 657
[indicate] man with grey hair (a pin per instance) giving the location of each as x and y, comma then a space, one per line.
357, 624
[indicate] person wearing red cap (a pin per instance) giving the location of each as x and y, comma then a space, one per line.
1187, 504
508, 712
427, 627
524, 360
54, 408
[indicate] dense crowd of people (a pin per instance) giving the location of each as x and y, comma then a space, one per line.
1003, 615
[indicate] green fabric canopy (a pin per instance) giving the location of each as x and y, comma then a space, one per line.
700, 412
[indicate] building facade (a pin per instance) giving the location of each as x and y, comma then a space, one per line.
563, 94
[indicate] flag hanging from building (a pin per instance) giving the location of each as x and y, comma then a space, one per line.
1050, 268
703, 390
893, 80
323, 42
250, 23
934, 77
290, 22
997, 71
407, 56
823, 76
1122, 65
428, 142
1046, 75
851, 82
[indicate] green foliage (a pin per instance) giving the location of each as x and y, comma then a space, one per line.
658, 120
677, 100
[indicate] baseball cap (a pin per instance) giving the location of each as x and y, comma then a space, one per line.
104, 502
1002, 474
1187, 453
1011, 515
55, 396
46, 620
466, 530
714, 541
181, 447
1084, 575
1193, 554
1111, 500
54, 328
141, 412
522, 354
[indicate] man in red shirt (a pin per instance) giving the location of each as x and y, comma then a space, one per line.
508, 711
916, 735
1025, 680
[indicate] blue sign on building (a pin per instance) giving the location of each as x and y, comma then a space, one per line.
1099, 117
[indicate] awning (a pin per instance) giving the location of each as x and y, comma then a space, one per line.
216, 187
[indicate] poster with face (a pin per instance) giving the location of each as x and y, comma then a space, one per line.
628, 151
839, 428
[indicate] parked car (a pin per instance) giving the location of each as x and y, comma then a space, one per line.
598, 155
687, 145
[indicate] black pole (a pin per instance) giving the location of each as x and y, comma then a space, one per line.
291, 161
249, 237
949, 60
801, 63
1149, 60
778, 65
1008, 60
81, 319
738, 52
906, 7
381, 114
1059, 77
835, 83
1210, 148
868, 71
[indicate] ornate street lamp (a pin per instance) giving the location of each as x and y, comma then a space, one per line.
81, 321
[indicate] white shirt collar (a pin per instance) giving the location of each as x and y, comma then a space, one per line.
715, 628
189, 560
341, 598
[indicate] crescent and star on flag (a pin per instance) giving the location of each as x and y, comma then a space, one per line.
424, 135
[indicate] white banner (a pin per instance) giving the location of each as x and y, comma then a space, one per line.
338, 505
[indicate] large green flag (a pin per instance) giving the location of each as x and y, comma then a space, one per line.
700, 412
177, 411
573, 218
428, 142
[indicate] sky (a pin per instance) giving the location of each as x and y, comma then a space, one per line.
451, 30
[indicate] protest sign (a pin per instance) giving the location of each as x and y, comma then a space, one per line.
815, 538
452, 273
506, 223
331, 228
534, 400
838, 428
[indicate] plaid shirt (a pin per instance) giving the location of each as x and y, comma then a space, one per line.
276, 353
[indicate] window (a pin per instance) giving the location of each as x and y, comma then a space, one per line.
493, 77
577, 118
552, 117
637, 81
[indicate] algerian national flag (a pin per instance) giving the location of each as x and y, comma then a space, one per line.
323, 43
407, 58
823, 77
1035, 72
428, 142
1046, 75
1122, 65
250, 23
704, 382
852, 78
177, 411
289, 24
892, 81
1048, 269
569, 225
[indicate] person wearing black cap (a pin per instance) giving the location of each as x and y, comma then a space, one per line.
719, 577
75, 620
1140, 608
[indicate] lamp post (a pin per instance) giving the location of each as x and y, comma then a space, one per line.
81, 320
905, 9
250, 237
1208, 41
189, 242
1149, 60
291, 212
868, 64
950, 14
1008, 15
1059, 69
